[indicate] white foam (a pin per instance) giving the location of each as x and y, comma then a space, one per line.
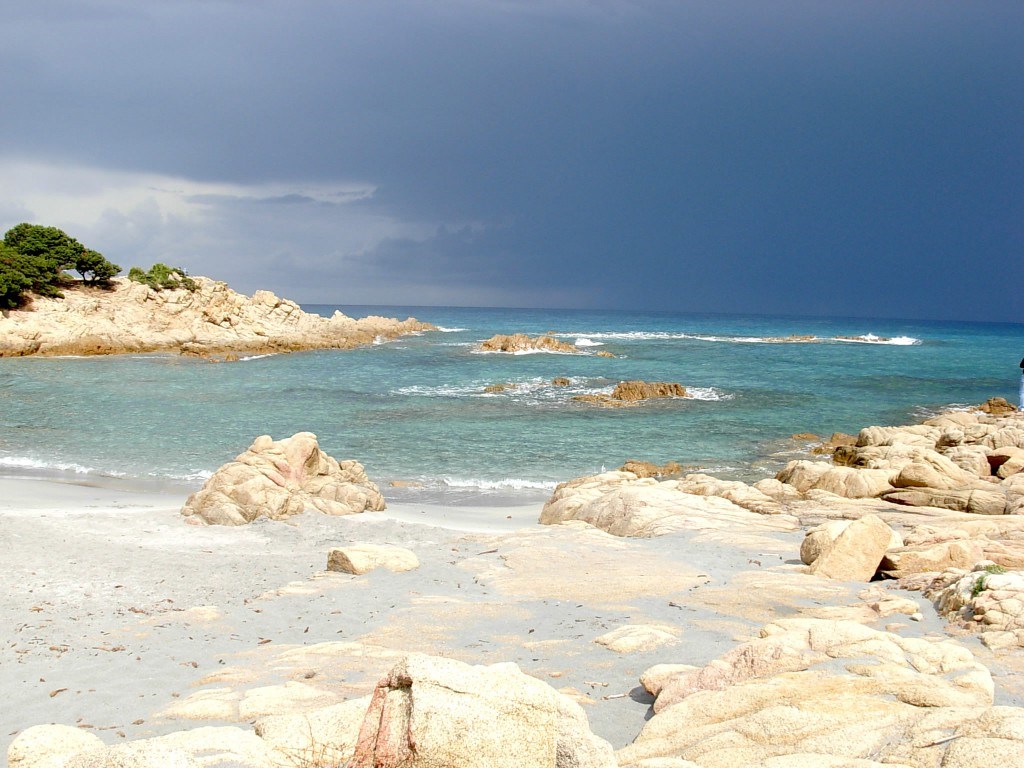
442, 329
583, 341
199, 474
666, 336
707, 393
255, 357
25, 462
527, 352
870, 338
506, 484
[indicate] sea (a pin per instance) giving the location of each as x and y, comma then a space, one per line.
415, 411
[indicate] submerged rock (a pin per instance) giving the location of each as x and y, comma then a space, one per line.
280, 479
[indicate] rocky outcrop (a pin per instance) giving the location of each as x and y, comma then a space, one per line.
211, 321
986, 597
817, 692
963, 461
633, 392
280, 479
430, 711
622, 504
520, 343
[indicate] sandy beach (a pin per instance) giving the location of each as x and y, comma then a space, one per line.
125, 621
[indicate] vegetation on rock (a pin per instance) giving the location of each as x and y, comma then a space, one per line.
33, 259
160, 277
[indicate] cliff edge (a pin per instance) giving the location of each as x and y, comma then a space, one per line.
212, 320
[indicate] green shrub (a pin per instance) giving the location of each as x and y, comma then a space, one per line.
160, 277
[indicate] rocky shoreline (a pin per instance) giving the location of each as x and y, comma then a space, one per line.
212, 321
829, 616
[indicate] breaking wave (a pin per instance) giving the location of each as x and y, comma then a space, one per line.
507, 484
867, 338
870, 338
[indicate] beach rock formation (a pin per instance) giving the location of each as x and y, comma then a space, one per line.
280, 479
964, 461
622, 504
819, 692
358, 559
520, 343
850, 550
631, 638
987, 597
213, 320
633, 392
319, 737
430, 711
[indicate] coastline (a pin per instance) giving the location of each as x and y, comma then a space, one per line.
129, 623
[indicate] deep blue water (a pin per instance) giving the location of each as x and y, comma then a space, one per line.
414, 409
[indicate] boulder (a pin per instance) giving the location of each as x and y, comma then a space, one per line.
973, 459
47, 746
429, 712
855, 552
1006, 461
932, 470
358, 559
324, 736
924, 558
820, 540
975, 501
280, 479
842, 481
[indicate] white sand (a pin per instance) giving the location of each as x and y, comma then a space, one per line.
117, 611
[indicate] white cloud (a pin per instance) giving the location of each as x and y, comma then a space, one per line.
252, 235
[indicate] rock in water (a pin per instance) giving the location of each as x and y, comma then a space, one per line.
633, 392
520, 342
429, 711
280, 479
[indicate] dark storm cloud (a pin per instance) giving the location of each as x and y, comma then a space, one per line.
797, 157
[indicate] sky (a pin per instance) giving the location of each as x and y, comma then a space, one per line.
854, 158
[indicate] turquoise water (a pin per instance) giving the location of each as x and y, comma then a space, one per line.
414, 409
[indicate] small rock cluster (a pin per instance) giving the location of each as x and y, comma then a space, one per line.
279, 479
